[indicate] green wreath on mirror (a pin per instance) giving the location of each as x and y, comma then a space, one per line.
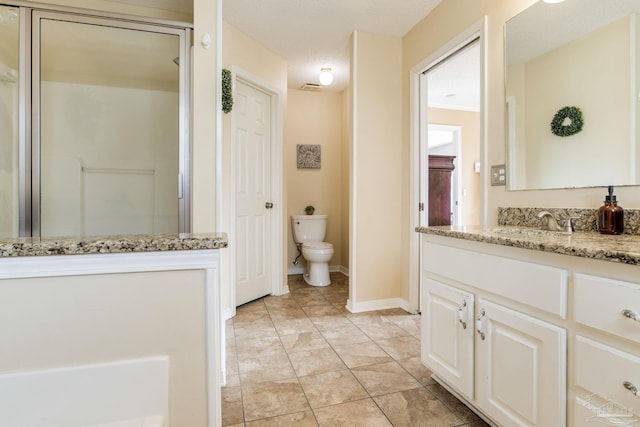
227, 91
567, 121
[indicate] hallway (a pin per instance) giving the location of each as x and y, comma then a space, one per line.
302, 359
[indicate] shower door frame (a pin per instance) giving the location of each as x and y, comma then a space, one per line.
30, 103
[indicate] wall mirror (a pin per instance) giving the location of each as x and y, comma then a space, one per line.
582, 53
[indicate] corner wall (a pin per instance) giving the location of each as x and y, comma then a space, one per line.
376, 172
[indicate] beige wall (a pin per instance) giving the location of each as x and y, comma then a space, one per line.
316, 118
68, 321
469, 123
376, 169
206, 114
247, 56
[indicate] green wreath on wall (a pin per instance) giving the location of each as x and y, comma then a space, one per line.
567, 121
227, 91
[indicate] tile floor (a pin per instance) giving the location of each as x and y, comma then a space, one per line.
303, 360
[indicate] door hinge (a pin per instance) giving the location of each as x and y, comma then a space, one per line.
420, 207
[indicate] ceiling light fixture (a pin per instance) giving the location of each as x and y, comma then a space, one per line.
326, 77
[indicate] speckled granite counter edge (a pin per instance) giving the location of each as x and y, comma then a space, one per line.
621, 249
112, 244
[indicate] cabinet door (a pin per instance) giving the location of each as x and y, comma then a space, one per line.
447, 334
607, 381
521, 368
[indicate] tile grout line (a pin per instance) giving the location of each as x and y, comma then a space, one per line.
305, 305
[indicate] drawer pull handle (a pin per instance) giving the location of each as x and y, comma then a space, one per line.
462, 314
633, 389
480, 324
631, 315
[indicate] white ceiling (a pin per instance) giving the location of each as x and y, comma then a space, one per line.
312, 34
455, 83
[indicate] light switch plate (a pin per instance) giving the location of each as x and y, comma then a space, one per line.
499, 175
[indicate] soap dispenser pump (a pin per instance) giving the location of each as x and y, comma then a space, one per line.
610, 215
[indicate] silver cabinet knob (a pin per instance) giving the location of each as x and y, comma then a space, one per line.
631, 315
480, 324
268, 205
632, 388
462, 314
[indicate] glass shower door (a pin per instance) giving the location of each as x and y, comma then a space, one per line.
109, 116
9, 138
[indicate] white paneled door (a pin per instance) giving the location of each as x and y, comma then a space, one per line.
252, 116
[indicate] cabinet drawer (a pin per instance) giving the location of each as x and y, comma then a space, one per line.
600, 302
536, 285
600, 374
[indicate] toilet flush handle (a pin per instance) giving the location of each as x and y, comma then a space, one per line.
268, 205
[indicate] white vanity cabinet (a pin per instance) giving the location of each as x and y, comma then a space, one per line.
520, 367
489, 334
448, 348
607, 351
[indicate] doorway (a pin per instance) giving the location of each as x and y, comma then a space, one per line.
444, 142
440, 86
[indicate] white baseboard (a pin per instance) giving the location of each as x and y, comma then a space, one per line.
228, 313
381, 304
332, 269
295, 270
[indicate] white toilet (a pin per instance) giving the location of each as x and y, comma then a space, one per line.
309, 230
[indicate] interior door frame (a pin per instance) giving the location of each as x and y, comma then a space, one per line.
278, 287
418, 141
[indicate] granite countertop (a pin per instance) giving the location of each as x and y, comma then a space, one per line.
111, 244
624, 248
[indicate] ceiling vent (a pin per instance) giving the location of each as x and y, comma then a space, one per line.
312, 87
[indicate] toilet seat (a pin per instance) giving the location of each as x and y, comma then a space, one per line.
318, 247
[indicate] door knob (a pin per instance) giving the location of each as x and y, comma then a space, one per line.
268, 205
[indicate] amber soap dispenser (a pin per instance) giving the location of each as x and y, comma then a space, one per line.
610, 215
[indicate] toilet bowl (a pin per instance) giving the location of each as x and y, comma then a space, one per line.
309, 232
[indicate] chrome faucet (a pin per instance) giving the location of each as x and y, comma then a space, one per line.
551, 223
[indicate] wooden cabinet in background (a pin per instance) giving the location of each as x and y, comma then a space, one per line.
440, 168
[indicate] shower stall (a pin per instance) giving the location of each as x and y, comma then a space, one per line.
94, 124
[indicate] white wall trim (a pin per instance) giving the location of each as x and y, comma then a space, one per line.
216, 351
381, 304
479, 29
228, 313
78, 265
279, 285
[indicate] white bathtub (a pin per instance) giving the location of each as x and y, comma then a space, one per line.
126, 393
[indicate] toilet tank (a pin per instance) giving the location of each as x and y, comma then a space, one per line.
309, 228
